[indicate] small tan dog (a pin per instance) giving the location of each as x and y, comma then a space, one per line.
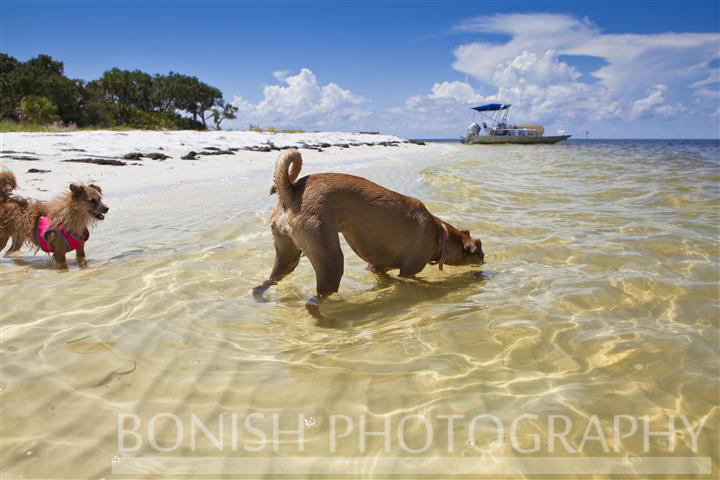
386, 229
58, 227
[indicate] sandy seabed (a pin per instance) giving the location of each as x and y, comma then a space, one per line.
598, 299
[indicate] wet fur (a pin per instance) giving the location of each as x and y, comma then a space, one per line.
385, 228
77, 209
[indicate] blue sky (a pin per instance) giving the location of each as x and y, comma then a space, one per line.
618, 69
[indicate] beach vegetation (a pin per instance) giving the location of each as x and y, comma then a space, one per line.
37, 95
257, 128
37, 109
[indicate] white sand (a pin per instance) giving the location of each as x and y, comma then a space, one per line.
146, 175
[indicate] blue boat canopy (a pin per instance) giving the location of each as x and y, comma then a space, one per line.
491, 107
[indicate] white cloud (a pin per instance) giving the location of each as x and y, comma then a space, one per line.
281, 75
459, 91
532, 33
530, 69
634, 61
445, 109
652, 103
648, 76
300, 101
540, 88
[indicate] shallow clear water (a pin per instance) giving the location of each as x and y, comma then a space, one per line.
599, 297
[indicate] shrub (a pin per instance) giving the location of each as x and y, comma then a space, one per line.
40, 110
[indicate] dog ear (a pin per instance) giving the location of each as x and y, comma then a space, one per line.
77, 190
92, 185
469, 246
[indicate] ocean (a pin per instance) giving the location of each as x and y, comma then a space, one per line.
599, 302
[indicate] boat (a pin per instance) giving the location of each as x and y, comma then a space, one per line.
496, 130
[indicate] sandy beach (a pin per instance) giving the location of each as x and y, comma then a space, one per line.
142, 161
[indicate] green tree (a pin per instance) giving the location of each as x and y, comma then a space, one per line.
118, 97
228, 112
128, 91
195, 97
40, 76
97, 110
9, 96
40, 110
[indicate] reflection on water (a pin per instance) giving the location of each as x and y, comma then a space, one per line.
599, 297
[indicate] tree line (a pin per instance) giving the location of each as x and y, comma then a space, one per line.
38, 92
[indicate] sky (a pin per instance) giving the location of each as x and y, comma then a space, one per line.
615, 69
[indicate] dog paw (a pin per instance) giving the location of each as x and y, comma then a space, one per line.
260, 290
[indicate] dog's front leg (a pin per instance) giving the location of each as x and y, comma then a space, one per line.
58, 247
80, 255
287, 257
59, 257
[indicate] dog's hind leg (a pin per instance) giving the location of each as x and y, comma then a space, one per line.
327, 259
411, 267
15, 247
3, 241
378, 270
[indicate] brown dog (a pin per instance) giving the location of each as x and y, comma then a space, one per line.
386, 229
56, 227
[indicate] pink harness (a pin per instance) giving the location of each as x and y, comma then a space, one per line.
43, 224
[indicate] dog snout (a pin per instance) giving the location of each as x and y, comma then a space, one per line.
105, 209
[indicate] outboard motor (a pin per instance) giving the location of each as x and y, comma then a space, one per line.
472, 131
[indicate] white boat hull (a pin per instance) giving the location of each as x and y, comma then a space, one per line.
498, 139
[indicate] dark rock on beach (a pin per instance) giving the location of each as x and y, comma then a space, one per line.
140, 156
20, 157
97, 161
258, 149
190, 156
157, 156
37, 170
218, 152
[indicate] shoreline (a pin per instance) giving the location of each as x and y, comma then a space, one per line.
137, 162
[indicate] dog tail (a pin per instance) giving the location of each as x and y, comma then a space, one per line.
284, 180
7, 184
